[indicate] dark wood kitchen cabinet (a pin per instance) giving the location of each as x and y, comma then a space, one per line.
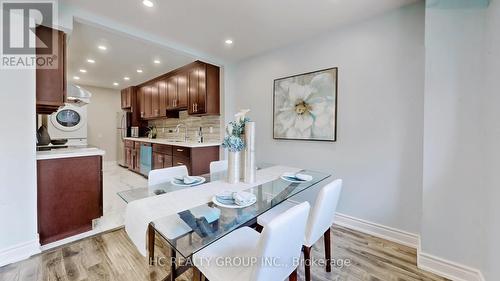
133, 155
69, 196
203, 89
194, 87
196, 159
172, 94
177, 91
129, 159
51, 83
163, 97
182, 91
136, 157
155, 100
126, 95
145, 96
162, 156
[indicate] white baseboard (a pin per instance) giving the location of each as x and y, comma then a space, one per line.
448, 269
19, 252
378, 230
427, 262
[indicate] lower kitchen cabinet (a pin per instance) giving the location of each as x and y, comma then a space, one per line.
162, 156
161, 161
196, 159
69, 196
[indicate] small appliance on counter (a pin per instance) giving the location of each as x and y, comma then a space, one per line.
134, 132
42, 136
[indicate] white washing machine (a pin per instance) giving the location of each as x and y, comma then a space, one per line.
69, 122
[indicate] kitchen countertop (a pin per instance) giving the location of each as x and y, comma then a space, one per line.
69, 152
169, 142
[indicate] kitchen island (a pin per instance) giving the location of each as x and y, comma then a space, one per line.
69, 191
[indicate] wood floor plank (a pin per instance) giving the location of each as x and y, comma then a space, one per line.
112, 256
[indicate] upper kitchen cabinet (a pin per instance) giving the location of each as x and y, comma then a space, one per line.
131, 103
172, 92
51, 83
163, 97
203, 89
127, 95
194, 87
155, 100
146, 99
177, 91
182, 90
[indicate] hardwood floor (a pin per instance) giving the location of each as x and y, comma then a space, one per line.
111, 256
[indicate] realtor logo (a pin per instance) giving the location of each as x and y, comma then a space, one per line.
21, 47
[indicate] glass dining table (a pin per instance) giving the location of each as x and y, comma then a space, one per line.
191, 230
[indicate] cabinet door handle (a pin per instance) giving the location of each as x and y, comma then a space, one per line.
196, 107
180, 150
142, 114
180, 163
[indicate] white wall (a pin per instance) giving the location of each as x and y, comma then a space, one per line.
18, 234
492, 141
380, 113
453, 194
461, 157
104, 105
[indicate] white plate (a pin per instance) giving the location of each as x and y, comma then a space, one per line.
199, 180
232, 206
286, 178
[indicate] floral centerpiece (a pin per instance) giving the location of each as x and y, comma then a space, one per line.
234, 143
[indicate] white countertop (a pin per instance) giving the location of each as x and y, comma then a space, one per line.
169, 142
69, 152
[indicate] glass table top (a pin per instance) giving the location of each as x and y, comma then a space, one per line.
192, 230
144, 192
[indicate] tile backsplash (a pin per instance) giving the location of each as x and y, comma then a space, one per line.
210, 127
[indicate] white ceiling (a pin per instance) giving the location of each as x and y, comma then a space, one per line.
124, 55
255, 26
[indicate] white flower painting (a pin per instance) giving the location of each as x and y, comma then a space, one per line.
305, 106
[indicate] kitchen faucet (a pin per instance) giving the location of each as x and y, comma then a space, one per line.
185, 131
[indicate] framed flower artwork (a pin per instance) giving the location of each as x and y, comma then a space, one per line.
305, 106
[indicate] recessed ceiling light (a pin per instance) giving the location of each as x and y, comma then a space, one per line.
139, 70
115, 84
148, 3
76, 77
229, 42
126, 78
83, 70
157, 61
102, 47
90, 61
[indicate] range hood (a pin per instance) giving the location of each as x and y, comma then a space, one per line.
78, 95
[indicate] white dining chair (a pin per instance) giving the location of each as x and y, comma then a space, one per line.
217, 169
245, 243
318, 224
165, 175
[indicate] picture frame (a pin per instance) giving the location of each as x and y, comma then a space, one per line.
305, 106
